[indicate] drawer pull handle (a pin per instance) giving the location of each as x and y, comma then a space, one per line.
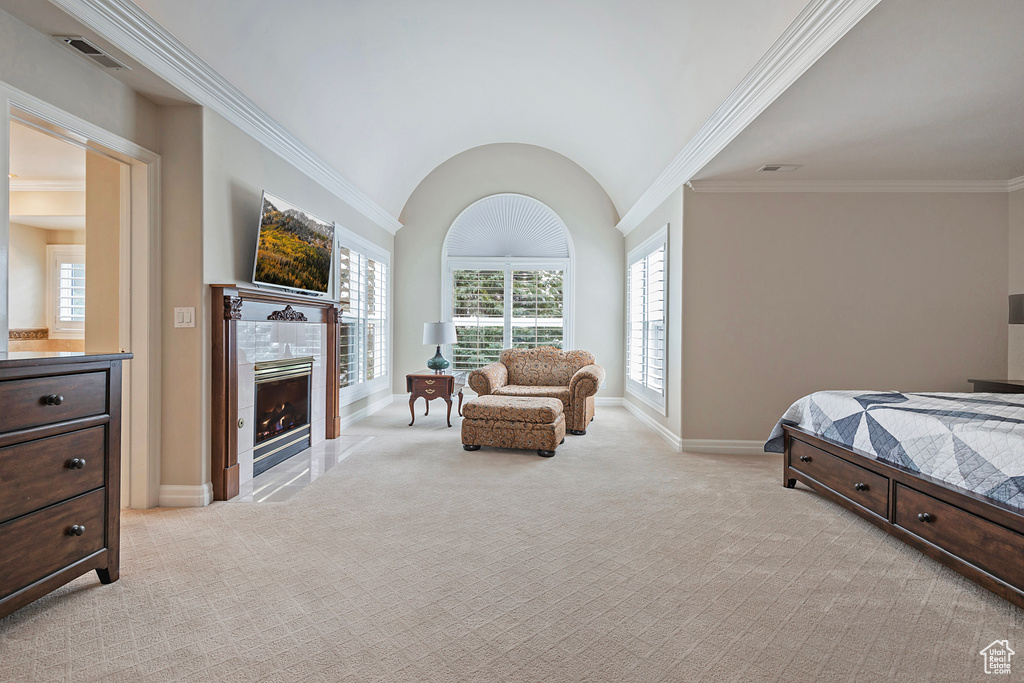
429, 391
76, 530
805, 458
76, 463
924, 517
860, 486
430, 381
53, 400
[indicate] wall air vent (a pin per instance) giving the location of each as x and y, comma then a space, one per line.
87, 49
778, 168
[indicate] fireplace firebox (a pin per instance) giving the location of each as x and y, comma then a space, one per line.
282, 424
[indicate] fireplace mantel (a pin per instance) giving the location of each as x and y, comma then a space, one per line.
232, 304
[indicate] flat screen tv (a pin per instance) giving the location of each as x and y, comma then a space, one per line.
295, 250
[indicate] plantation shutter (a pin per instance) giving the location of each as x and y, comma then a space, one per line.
376, 319
364, 346
646, 343
537, 308
479, 317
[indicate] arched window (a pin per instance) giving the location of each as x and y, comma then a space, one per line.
507, 261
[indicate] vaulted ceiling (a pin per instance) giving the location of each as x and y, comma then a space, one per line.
386, 91
917, 90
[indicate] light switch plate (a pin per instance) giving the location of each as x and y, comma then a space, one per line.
185, 317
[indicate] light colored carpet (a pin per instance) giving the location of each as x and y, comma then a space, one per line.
616, 560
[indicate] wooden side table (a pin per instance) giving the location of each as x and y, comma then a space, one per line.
998, 386
428, 385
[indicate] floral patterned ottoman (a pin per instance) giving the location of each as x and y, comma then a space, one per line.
513, 422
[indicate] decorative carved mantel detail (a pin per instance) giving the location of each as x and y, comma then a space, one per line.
287, 314
232, 308
259, 306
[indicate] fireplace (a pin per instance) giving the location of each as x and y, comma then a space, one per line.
282, 414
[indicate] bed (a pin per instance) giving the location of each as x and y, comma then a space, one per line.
942, 472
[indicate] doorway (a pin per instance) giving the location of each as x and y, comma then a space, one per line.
87, 201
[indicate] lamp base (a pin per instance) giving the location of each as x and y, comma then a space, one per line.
438, 363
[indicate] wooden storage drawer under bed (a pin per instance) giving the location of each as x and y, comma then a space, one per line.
862, 486
988, 546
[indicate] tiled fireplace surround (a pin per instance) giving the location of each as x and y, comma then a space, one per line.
262, 341
253, 326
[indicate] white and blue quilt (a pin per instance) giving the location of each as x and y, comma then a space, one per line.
973, 441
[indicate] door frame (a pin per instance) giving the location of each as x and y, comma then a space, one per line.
140, 268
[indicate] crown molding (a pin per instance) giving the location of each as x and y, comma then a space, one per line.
817, 28
19, 185
1015, 184
136, 34
852, 185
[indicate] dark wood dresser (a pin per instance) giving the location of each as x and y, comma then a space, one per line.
60, 465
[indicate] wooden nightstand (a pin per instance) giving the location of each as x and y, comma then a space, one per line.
429, 386
998, 386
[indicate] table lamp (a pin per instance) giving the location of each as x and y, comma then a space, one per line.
438, 333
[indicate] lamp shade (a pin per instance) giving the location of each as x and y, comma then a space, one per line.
1017, 309
439, 333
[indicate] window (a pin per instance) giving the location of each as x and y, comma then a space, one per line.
645, 325
507, 263
485, 323
363, 283
66, 290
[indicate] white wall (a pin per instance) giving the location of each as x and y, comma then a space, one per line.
537, 172
788, 293
1015, 357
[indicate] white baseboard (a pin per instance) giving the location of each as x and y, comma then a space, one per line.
671, 438
613, 401
180, 496
726, 446
362, 413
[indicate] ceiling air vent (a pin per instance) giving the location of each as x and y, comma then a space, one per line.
778, 168
84, 47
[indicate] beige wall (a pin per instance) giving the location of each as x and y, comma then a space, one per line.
28, 272
236, 170
102, 254
47, 204
670, 214
184, 404
35, 64
1015, 355
786, 294
540, 173
28, 277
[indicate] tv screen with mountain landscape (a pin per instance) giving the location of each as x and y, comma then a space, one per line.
294, 250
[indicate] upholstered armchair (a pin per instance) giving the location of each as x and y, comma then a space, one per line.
570, 376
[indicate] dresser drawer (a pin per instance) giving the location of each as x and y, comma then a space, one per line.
987, 545
862, 486
45, 400
41, 543
43, 472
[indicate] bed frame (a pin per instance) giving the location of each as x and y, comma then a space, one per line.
980, 538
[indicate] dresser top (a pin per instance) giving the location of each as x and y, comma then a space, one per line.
17, 359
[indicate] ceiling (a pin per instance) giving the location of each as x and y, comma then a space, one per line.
39, 159
918, 90
36, 156
386, 91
